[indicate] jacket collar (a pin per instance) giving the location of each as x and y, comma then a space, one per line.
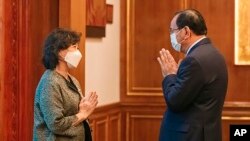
200, 43
71, 85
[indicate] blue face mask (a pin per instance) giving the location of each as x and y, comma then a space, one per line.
174, 42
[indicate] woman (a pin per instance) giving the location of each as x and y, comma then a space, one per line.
60, 110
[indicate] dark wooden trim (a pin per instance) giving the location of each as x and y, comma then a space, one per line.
25, 100
106, 107
123, 51
21, 41
10, 93
94, 31
2, 67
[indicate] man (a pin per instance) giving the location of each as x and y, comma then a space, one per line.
195, 89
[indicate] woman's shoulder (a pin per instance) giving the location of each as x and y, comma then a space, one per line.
51, 77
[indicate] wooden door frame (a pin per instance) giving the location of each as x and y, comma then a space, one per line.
14, 67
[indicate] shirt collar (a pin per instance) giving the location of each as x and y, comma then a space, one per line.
195, 43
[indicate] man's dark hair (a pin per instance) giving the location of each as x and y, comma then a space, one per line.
193, 19
57, 40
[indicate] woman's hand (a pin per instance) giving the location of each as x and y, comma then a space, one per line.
86, 107
88, 104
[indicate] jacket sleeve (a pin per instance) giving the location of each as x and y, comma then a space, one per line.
181, 89
51, 105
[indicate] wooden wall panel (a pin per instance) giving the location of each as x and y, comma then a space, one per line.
234, 113
101, 129
106, 123
24, 24
148, 33
143, 127
219, 16
144, 31
144, 34
41, 19
127, 122
143, 122
142, 38
114, 127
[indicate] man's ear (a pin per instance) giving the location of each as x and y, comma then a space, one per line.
187, 32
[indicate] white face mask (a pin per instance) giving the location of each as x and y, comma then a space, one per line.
73, 58
174, 42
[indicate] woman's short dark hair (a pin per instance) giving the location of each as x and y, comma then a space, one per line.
193, 19
58, 39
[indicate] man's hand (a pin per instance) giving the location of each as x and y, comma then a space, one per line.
167, 63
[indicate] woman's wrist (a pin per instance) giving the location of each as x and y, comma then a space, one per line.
79, 118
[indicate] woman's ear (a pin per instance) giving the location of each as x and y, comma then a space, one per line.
61, 54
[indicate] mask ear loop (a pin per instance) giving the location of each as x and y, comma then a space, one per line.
178, 33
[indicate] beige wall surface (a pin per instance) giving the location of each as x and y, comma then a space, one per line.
102, 60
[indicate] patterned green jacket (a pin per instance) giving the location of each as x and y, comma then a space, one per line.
55, 105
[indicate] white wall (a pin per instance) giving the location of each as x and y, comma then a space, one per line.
102, 60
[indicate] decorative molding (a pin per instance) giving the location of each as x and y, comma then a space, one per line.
11, 65
146, 88
146, 116
234, 104
144, 94
130, 121
144, 91
106, 116
142, 104
132, 90
107, 107
98, 125
129, 39
115, 118
109, 115
231, 118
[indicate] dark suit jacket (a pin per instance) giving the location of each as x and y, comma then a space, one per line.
195, 96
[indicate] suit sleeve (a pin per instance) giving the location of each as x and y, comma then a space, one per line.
51, 105
181, 89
